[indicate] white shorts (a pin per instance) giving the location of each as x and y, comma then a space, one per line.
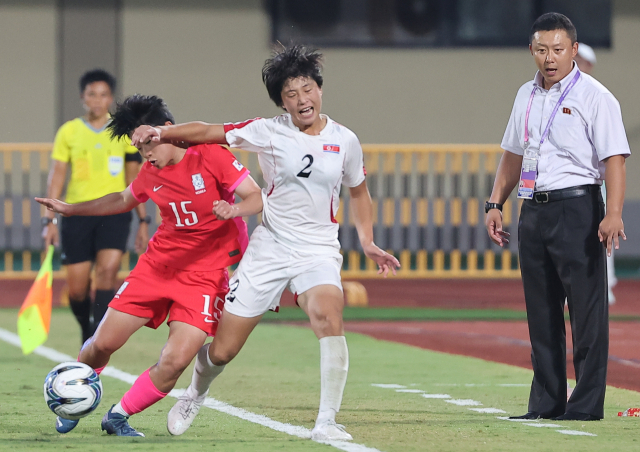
268, 267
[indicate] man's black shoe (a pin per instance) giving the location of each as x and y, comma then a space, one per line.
529, 416
573, 416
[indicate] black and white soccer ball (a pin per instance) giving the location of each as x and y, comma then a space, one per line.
72, 390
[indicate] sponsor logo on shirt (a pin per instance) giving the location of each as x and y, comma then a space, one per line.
333, 148
238, 165
234, 253
198, 183
566, 111
158, 187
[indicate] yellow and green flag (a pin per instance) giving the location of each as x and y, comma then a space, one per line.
35, 314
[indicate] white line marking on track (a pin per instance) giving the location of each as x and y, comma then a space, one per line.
540, 424
469, 402
411, 391
293, 430
463, 402
575, 432
386, 386
436, 396
488, 410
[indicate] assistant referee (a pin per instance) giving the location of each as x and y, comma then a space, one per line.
564, 137
99, 165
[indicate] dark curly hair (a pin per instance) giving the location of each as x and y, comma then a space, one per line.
138, 110
291, 62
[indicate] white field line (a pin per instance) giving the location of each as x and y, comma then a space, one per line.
293, 430
470, 402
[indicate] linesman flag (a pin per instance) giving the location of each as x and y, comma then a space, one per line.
35, 314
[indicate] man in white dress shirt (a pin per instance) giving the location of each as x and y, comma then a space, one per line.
564, 137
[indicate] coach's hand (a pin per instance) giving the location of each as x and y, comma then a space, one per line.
145, 134
610, 231
384, 260
493, 222
224, 211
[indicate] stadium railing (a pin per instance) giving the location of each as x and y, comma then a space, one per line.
428, 210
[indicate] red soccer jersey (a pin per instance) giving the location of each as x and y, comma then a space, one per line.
190, 237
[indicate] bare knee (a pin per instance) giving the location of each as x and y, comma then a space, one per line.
327, 323
100, 346
220, 355
106, 275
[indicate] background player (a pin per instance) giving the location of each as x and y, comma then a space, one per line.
304, 156
183, 273
99, 165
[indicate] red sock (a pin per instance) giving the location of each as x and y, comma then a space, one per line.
142, 395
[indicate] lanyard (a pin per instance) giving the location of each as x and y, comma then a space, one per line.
553, 114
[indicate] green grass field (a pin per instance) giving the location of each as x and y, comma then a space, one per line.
276, 375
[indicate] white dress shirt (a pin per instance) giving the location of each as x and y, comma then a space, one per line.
586, 130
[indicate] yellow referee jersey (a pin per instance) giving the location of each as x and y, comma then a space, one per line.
97, 161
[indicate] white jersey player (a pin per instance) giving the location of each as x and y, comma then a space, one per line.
305, 158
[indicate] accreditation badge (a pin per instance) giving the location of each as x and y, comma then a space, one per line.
528, 174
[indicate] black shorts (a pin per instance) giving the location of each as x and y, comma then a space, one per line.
83, 237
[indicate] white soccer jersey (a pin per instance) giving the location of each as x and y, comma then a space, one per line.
303, 175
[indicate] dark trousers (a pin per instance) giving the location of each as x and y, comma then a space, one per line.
561, 256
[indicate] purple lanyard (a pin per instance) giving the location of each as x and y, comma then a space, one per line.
553, 114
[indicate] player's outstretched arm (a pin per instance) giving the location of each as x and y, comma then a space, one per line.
362, 212
191, 132
110, 204
251, 203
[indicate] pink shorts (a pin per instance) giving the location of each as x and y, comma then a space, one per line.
154, 291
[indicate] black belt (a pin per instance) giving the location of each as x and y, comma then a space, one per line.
542, 197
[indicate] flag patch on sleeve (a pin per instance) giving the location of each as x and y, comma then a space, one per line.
335, 148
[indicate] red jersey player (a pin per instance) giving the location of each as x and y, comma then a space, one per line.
183, 272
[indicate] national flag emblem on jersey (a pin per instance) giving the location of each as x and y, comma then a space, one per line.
238, 165
334, 148
198, 183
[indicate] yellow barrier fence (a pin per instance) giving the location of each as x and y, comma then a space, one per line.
428, 210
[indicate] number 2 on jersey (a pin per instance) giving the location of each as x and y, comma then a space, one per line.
187, 221
304, 173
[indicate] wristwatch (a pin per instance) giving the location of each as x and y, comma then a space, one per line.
45, 221
146, 219
492, 205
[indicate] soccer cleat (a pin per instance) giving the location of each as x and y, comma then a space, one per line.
65, 425
183, 413
116, 424
330, 431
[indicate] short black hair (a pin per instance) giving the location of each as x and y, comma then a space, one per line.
554, 21
291, 62
138, 110
97, 75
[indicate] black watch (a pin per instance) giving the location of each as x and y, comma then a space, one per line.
492, 205
46, 221
146, 219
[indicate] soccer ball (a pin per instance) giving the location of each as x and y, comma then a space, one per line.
72, 390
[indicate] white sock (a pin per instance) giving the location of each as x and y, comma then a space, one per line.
118, 409
204, 372
334, 366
